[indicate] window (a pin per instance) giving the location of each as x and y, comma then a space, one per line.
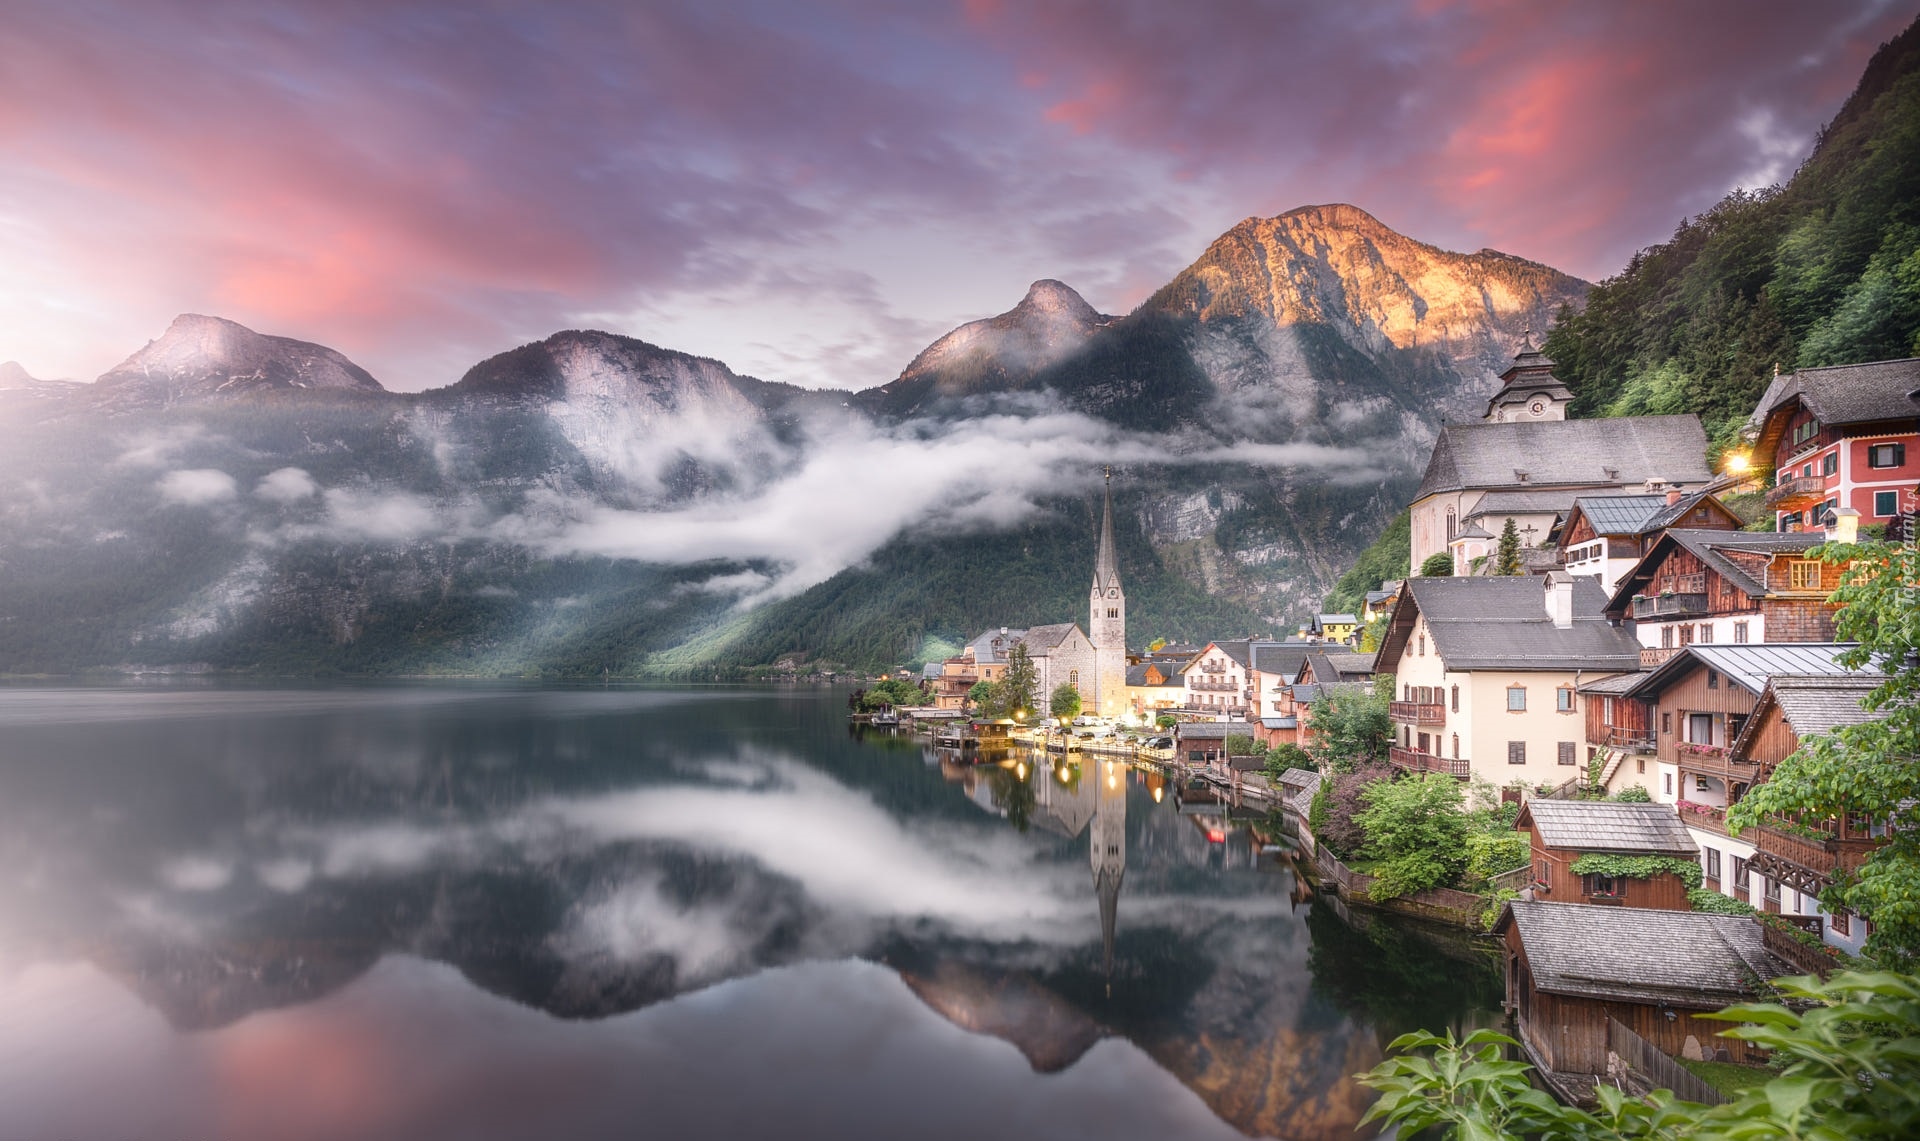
1451, 525
1406, 692
1563, 699
1456, 746
1886, 503
1739, 631
1806, 431
1640, 764
1771, 889
1887, 455
1686, 634
1700, 728
1712, 857
1423, 645
1456, 699
1830, 463
1605, 886
1567, 750
1666, 782
1516, 699
1113, 612
1713, 678
1666, 721
1606, 711
1516, 752
1803, 574
1841, 923
1073, 679
1740, 872
1666, 637
1706, 632
1700, 785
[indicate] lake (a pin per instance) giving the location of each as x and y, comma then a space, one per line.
490, 912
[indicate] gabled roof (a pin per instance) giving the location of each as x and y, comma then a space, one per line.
1812, 703
1567, 453
1040, 639
1169, 675
1331, 619
1208, 730
1711, 548
1290, 721
1839, 394
1282, 659
1502, 623
1609, 826
1239, 651
1673, 513
1619, 514
1745, 664
1639, 954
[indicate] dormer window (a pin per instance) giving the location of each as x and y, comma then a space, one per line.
1522, 476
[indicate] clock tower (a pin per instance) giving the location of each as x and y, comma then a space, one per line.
1107, 622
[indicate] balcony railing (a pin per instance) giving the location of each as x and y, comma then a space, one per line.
1674, 605
1793, 492
1711, 819
1820, 856
1417, 712
1713, 760
1651, 658
1211, 668
1634, 740
1419, 762
1213, 685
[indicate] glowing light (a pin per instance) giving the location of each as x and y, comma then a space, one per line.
1737, 463
1216, 837
1158, 792
1020, 770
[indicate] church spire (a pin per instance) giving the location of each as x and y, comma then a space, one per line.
1106, 569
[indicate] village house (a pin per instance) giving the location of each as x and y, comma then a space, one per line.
1607, 535
1563, 831
1842, 436
1572, 967
1334, 627
1218, 679
1487, 670
1727, 586
1537, 461
1204, 742
1379, 603
1275, 667
1154, 688
1793, 869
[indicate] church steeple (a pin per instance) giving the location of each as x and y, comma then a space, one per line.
1106, 568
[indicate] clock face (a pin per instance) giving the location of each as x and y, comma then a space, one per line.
1539, 406
1115, 593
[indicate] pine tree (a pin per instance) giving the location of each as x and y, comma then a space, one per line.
1507, 560
1021, 679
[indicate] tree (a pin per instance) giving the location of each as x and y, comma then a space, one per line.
1872, 769
1437, 565
1021, 680
1335, 806
1287, 755
1845, 1048
1065, 703
1166, 721
893, 691
983, 696
1416, 828
1506, 560
1351, 727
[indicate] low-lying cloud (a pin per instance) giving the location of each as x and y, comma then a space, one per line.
197, 487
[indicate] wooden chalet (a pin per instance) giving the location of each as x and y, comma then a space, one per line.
1562, 831
1803, 859
1841, 437
1726, 586
1571, 967
1619, 730
1606, 535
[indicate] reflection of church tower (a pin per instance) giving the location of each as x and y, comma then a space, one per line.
1107, 622
1109, 852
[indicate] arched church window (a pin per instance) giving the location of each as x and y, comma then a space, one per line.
1452, 524
1073, 678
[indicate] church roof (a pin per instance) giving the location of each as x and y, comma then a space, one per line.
1041, 639
1595, 454
1106, 567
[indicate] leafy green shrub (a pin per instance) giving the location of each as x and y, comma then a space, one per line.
1637, 794
1490, 853
1713, 903
1287, 755
1416, 830
1439, 565
1636, 867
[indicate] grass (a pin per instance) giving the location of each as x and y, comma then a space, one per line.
1726, 1077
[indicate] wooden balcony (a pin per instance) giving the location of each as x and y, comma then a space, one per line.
1805, 862
1652, 658
1797, 492
1414, 760
1632, 740
1713, 820
1417, 713
1670, 606
1712, 760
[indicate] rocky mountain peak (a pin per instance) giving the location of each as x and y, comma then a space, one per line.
13, 374
211, 358
1054, 299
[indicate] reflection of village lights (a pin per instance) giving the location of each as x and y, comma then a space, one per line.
1061, 772
1113, 779
1020, 770
1216, 836
1158, 792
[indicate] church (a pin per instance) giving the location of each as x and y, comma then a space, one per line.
1094, 660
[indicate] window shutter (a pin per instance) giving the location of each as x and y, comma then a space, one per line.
1566, 752
1516, 752
1899, 455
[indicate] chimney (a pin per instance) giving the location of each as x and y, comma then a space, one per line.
1560, 600
1673, 496
1843, 525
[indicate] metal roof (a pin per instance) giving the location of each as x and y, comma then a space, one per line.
1609, 826
1567, 453
1619, 514
1747, 665
1640, 954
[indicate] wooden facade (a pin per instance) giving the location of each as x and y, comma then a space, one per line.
1568, 1033
1556, 881
1802, 855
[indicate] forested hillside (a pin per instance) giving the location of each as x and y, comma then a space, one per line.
1825, 270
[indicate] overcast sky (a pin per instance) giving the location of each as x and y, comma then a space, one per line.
811, 190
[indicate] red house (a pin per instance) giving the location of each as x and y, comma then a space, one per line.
1843, 436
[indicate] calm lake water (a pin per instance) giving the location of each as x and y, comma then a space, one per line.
508, 913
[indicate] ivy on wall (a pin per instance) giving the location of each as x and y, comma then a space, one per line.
1637, 867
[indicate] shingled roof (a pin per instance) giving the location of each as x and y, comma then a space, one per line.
1710, 547
1282, 659
1812, 703
1502, 623
1845, 394
1638, 954
1040, 639
1567, 453
1609, 826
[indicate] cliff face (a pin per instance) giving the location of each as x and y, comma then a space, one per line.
211, 358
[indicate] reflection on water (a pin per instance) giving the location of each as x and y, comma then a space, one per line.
448, 912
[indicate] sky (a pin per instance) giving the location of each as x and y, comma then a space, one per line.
813, 190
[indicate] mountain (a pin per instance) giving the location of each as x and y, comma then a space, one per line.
1822, 271
16, 382
594, 503
211, 358
992, 355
